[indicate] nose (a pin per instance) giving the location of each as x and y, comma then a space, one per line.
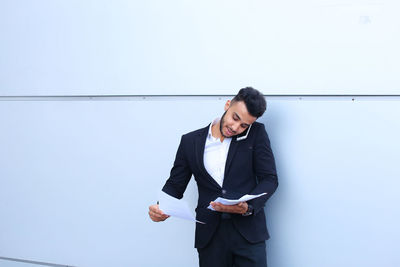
235, 127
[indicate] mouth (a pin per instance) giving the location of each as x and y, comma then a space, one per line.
229, 131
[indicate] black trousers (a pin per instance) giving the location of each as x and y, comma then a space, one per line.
228, 248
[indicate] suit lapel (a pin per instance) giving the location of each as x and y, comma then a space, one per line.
231, 153
200, 144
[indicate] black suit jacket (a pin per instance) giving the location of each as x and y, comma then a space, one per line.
250, 169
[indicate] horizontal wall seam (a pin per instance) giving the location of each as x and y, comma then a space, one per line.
188, 97
35, 262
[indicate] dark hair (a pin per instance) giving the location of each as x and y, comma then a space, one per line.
254, 100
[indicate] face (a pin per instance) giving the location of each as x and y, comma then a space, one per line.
236, 119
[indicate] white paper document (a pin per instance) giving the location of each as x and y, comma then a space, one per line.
176, 207
235, 201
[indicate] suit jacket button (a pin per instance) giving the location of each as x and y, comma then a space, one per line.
223, 191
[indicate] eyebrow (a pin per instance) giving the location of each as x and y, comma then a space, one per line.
247, 125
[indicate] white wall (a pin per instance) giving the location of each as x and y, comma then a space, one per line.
77, 173
77, 176
199, 47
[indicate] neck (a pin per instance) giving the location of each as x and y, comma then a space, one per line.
216, 132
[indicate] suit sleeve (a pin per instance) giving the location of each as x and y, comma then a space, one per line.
180, 174
265, 170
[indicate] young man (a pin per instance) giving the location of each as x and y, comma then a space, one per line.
229, 158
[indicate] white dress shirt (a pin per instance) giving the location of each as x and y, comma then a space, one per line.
215, 154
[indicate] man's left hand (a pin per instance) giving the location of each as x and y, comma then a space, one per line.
238, 208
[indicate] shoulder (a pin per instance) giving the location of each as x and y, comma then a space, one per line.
196, 133
260, 133
258, 125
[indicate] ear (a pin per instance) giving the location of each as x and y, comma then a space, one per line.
227, 105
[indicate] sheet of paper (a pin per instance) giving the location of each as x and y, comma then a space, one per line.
176, 207
235, 201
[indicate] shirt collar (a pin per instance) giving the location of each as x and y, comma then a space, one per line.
210, 136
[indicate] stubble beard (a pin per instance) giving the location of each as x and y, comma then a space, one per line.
221, 125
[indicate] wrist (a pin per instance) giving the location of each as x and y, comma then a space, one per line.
249, 211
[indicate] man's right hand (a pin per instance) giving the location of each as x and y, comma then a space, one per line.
156, 215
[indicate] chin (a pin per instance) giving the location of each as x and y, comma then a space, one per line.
228, 134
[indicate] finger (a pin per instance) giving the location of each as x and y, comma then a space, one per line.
231, 208
156, 214
160, 215
153, 218
214, 205
218, 206
156, 218
155, 209
242, 207
223, 208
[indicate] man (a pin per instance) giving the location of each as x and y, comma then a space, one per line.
229, 158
